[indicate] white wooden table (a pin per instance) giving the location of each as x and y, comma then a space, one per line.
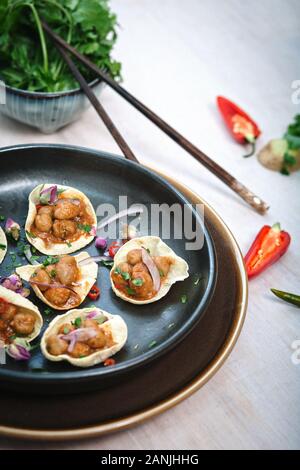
177, 56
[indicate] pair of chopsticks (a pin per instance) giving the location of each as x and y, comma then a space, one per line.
254, 201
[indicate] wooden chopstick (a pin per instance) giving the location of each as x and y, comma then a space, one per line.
128, 153
252, 199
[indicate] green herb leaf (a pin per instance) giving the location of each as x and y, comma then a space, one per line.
50, 260
125, 276
85, 227
77, 322
30, 235
183, 299
2, 247
130, 291
138, 282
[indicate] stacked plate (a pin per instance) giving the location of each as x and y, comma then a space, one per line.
174, 345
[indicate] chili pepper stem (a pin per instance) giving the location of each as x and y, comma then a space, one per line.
287, 297
252, 151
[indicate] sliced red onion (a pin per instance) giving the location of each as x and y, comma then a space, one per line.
131, 211
101, 243
19, 352
81, 334
93, 259
12, 282
13, 229
92, 314
24, 292
54, 286
148, 261
93, 231
76, 202
28, 254
48, 195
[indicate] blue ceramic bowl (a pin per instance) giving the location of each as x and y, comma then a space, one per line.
48, 112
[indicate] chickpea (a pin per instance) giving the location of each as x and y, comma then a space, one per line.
140, 268
118, 274
66, 209
66, 328
90, 323
7, 311
23, 323
57, 295
51, 271
99, 341
43, 222
56, 345
41, 276
64, 229
80, 350
134, 256
67, 270
163, 264
145, 290
46, 210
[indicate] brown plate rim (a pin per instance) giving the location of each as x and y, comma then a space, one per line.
198, 382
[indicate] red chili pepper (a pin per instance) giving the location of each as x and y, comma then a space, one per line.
269, 245
239, 123
94, 293
114, 247
38, 206
109, 362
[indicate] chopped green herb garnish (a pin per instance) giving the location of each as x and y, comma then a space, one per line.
77, 322
101, 319
2, 247
161, 273
2, 218
107, 264
48, 311
117, 271
82, 356
183, 299
85, 227
30, 235
52, 273
130, 291
197, 280
50, 260
138, 282
125, 276
69, 245
34, 258
152, 344
66, 331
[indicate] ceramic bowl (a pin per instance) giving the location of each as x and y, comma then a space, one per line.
47, 112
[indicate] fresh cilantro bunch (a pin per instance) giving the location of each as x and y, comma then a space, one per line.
28, 59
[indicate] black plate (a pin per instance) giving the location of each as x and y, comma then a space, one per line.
103, 177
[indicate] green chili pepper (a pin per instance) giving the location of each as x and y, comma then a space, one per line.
287, 297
